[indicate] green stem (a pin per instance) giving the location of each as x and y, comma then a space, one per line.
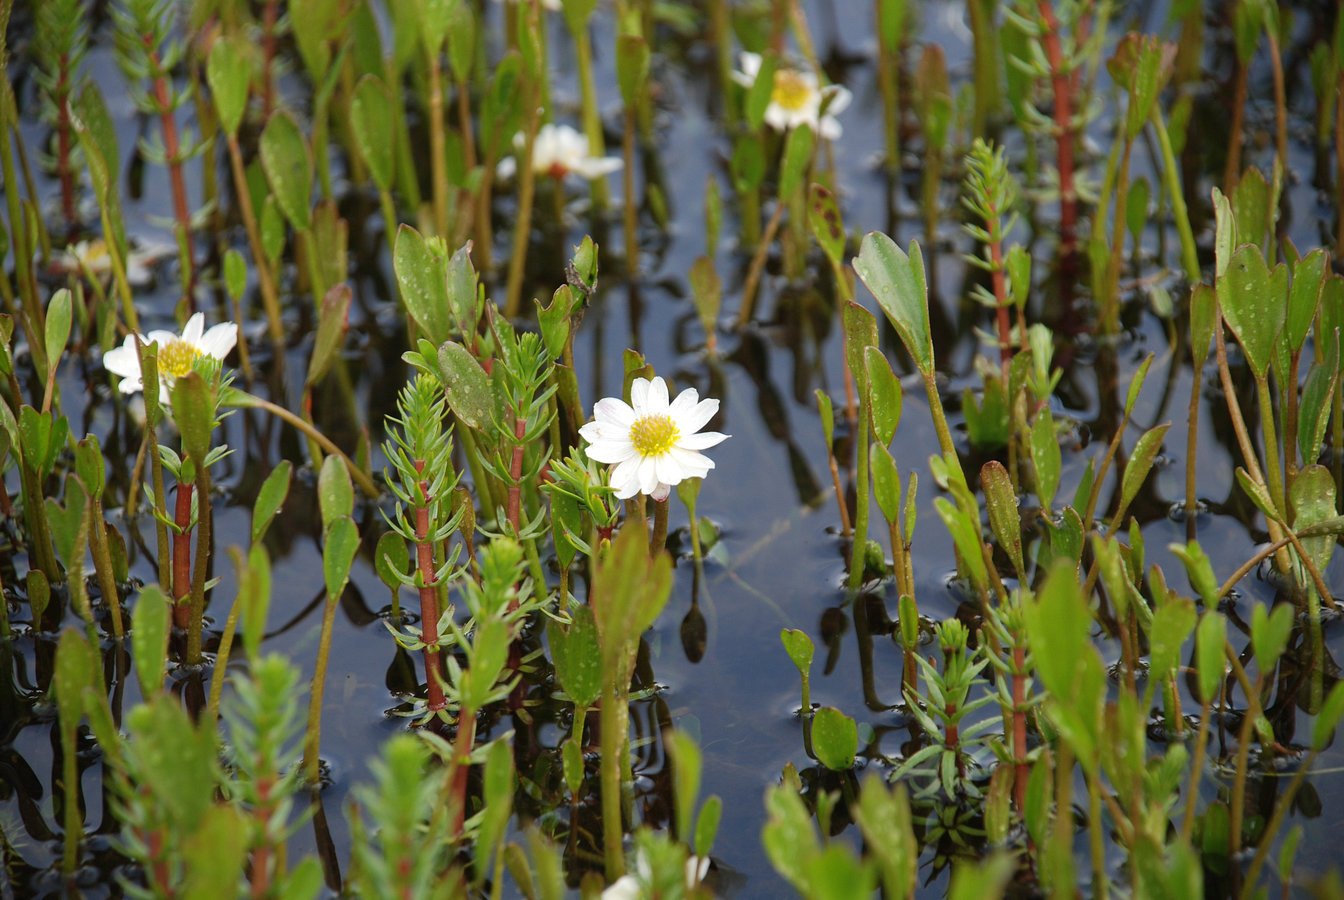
859, 546
1172, 176
592, 121
222, 662
614, 723
102, 566
1273, 469
242, 400
313, 733
1097, 839
200, 565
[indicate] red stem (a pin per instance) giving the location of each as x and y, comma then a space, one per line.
182, 556
1062, 85
429, 598
466, 737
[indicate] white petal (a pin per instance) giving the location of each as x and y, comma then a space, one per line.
778, 118
750, 63
625, 478
623, 888
160, 337
639, 396
669, 471
613, 410
698, 417
219, 340
605, 432
830, 129
661, 491
694, 464
596, 167
506, 168
123, 360
840, 98
611, 451
657, 399
195, 327
696, 867
684, 402
648, 474
701, 440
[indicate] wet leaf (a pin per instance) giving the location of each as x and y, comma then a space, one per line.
229, 73
577, 657
884, 392
1254, 303
1001, 501
799, 648
1311, 498
289, 168
338, 552
465, 385
835, 739
150, 623
886, 481
335, 492
896, 280
58, 328
371, 123
1046, 459
332, 324
1140, 463
422, 275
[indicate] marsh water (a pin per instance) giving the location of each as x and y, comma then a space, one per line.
712, 664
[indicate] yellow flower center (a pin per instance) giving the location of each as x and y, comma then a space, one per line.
177, 358
654, 435
791, 90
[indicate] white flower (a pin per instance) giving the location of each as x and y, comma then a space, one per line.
552, 5
176, 354
696, 867
560, 150
632, 887
796, 98
652, 444
626, 887
91, 259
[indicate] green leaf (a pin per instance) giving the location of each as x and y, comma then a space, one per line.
827, 412
896, 279
331, 327
1136, 384
1140, 463
289, 168
798, 147
577, 657
1332, 710
58, 328
628, 593
74, 672
835, 739
498, 782
214, 854
1199, 570
707, 292
1001, 501
150, 622
270, 498
1136, 208
747, 166
1304, 296
1203, 318
571, 760
229, 73
860, 334
826, 223
1173, 620
1317, 395
462, 42
1225, 236
69, 522
462, 290
392, 558
884, 818
335, 492
886, 481
1254, 304
799, 647
686, 769
194, 413
1250, 206
707, 825
235, 273
89, 465
1046, 459
254, 591
338, 552
1311, 497
884, 392
465, 385
758, 95
966, 537
632, 67
422, 275
1269, 635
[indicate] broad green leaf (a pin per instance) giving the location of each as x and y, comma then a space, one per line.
338, 552
835, 739
229, 73
254, 591
1140, 463
270, 498
1250, 206
1332, 710
371, 112
1046, 459
860, 334
571, 760
465, 385
886, 481
798, 147
1269, 634
74, 672
687, 765
1173, 620
335, 492
896, 279
577, 657
58, 327
89, 465
1311, 498
422, 275
707, 825
1199, 569
884, 818
462, 42
884, 392
462, 290
150, 622
1254, 303
966, 536
799, 647
331, 327
1001, 501
289, 168
824, 219
632, 67
69, 522
1317, 394
392, 558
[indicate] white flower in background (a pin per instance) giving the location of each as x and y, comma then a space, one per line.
632, 887
91, 259
650, 443
560, 150
552, 5
796, 98
177, 355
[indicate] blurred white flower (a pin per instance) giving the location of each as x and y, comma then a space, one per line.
560, 150
796, 98
552, 5
633, 887
650, 443
91, 259
177, 355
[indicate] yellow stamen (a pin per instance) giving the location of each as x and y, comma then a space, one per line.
791, 90
177, 358
654, 435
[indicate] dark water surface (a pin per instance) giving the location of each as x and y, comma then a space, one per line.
784, 564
